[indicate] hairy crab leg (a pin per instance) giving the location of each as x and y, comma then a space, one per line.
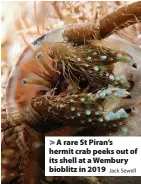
80, 34
92, 62
80, 108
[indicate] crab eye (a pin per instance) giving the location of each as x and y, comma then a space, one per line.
24, 81
39, 55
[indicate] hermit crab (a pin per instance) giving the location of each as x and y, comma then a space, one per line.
77, 76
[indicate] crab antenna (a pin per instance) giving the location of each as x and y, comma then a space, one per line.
43, 16
35, 13
19, 26
26, 24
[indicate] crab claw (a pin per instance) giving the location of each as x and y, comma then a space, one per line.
113, 116
113, 92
